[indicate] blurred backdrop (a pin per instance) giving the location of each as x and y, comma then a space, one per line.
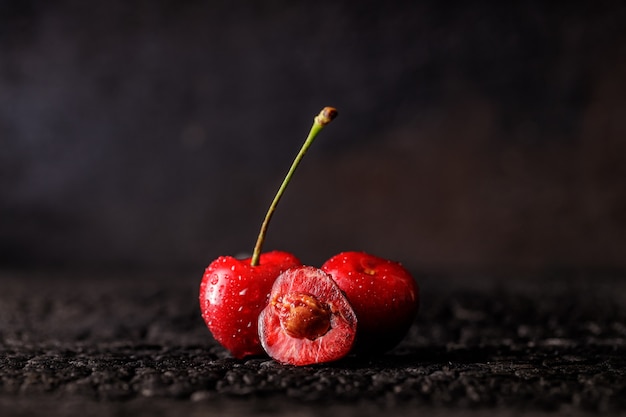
153, 134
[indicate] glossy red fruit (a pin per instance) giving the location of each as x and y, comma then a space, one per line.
307, 319
233, 293
384, 295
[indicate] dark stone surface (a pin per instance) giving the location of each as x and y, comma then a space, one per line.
134, 344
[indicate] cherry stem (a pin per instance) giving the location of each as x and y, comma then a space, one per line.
322, 119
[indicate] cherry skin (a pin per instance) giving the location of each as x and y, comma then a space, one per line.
384, 295
307, 320
233, 293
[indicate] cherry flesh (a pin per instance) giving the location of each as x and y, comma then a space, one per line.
384, 295
233, 293
307, 320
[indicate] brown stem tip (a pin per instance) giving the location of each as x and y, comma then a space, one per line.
326, 115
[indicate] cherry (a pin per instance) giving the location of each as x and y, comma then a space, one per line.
308, 319
384, 295
233, 292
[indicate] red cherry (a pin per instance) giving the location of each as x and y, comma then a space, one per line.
307, 320
233, 293
384, 295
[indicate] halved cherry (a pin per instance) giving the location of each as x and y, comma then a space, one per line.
307, 320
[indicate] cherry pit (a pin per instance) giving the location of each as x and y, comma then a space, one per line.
271, 304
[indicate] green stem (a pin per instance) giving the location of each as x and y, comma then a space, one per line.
322, 119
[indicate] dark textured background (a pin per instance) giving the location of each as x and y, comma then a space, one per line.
154, 133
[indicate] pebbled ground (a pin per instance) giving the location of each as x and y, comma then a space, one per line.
134, 344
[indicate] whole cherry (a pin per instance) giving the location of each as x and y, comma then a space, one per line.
233, 292
308, 319
384, 295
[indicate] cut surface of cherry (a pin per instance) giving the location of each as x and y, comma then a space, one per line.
384, 295
307, 320
233, 293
